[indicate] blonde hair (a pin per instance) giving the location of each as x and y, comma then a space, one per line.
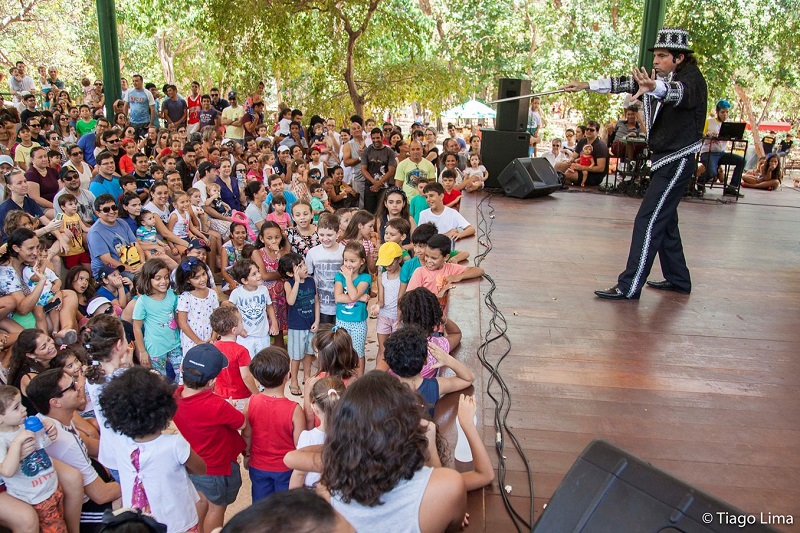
325, 394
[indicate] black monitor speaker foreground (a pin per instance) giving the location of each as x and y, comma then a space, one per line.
608, 490
529, 177
513, 115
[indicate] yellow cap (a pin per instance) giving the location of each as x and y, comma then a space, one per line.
388, 252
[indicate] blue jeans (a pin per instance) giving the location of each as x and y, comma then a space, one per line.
264, 483
713, 160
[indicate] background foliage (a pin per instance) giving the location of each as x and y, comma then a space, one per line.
429, 53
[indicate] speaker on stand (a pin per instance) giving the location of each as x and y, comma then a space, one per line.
512, 116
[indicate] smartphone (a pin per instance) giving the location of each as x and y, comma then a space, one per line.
59, 216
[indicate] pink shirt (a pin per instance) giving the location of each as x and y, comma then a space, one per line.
283, 221
434, 280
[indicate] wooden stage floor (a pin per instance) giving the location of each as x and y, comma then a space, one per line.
704, 386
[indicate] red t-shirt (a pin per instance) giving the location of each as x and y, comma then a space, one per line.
194, 108
229, 382
450, 196
211, 425
273, 431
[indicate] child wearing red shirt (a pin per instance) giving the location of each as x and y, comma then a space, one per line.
211, 426
274, 424
452, 196
235, 383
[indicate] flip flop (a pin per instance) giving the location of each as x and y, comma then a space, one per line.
295, 391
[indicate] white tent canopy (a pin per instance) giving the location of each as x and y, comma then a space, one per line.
471, 109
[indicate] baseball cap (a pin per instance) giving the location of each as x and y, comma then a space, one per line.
196, 244
205, 360
204, 167
231, 94
417, 124
6, 160
283, 148
106, 271
388, 252
95, 304
25, 94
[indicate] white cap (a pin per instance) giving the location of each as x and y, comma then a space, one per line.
6, 160
95, 304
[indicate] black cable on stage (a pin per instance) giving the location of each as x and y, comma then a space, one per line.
497, 333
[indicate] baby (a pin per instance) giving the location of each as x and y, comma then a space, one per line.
585, 160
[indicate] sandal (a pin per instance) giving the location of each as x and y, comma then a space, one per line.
295, 391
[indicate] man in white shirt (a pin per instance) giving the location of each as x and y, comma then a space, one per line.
557, 157
57, 396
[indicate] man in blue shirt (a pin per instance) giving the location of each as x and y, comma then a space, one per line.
140, 106
86, 142
112, 241
105, 182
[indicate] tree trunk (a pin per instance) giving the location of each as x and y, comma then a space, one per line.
748, 107
166, 57
768, 102
352, 89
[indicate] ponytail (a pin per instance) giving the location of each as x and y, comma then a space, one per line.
99, 337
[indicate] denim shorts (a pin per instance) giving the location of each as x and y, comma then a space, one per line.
220, 490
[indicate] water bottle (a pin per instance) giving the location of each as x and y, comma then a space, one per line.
37, 461
34, 425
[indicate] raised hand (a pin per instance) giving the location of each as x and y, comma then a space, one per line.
647, 82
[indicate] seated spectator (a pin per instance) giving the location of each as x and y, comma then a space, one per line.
630, 126
559, 158
406, 353
111, 241
767, 176
43, 181
293, 510
55, 395
713, 153
596, 173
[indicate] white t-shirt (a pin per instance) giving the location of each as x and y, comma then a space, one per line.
111, 442
324, 265
562, 156
163, 215
35, 479
253, 307
311, 438
449, 219
171, 494
70, 449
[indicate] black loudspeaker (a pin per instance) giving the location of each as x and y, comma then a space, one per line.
608, 490
513, 115
499, 148
527, 177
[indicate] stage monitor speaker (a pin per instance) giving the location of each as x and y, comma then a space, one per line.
527, 177
608, 490
512, 116
499, 148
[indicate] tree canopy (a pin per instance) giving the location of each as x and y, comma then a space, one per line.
372, 56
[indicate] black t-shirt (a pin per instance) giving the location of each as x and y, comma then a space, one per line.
786, 146
599, 151
768, 142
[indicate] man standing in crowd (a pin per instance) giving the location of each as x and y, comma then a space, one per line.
140, 106
175, 109
185, 166
351, 156
412, 168
156, 102
216, 102
675, 98
232, 119
193, 102
378, 165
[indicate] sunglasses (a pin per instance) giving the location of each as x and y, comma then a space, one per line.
73, 154
590, 129
34, 125
72, 386
108, 209
70, 177
63, 119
